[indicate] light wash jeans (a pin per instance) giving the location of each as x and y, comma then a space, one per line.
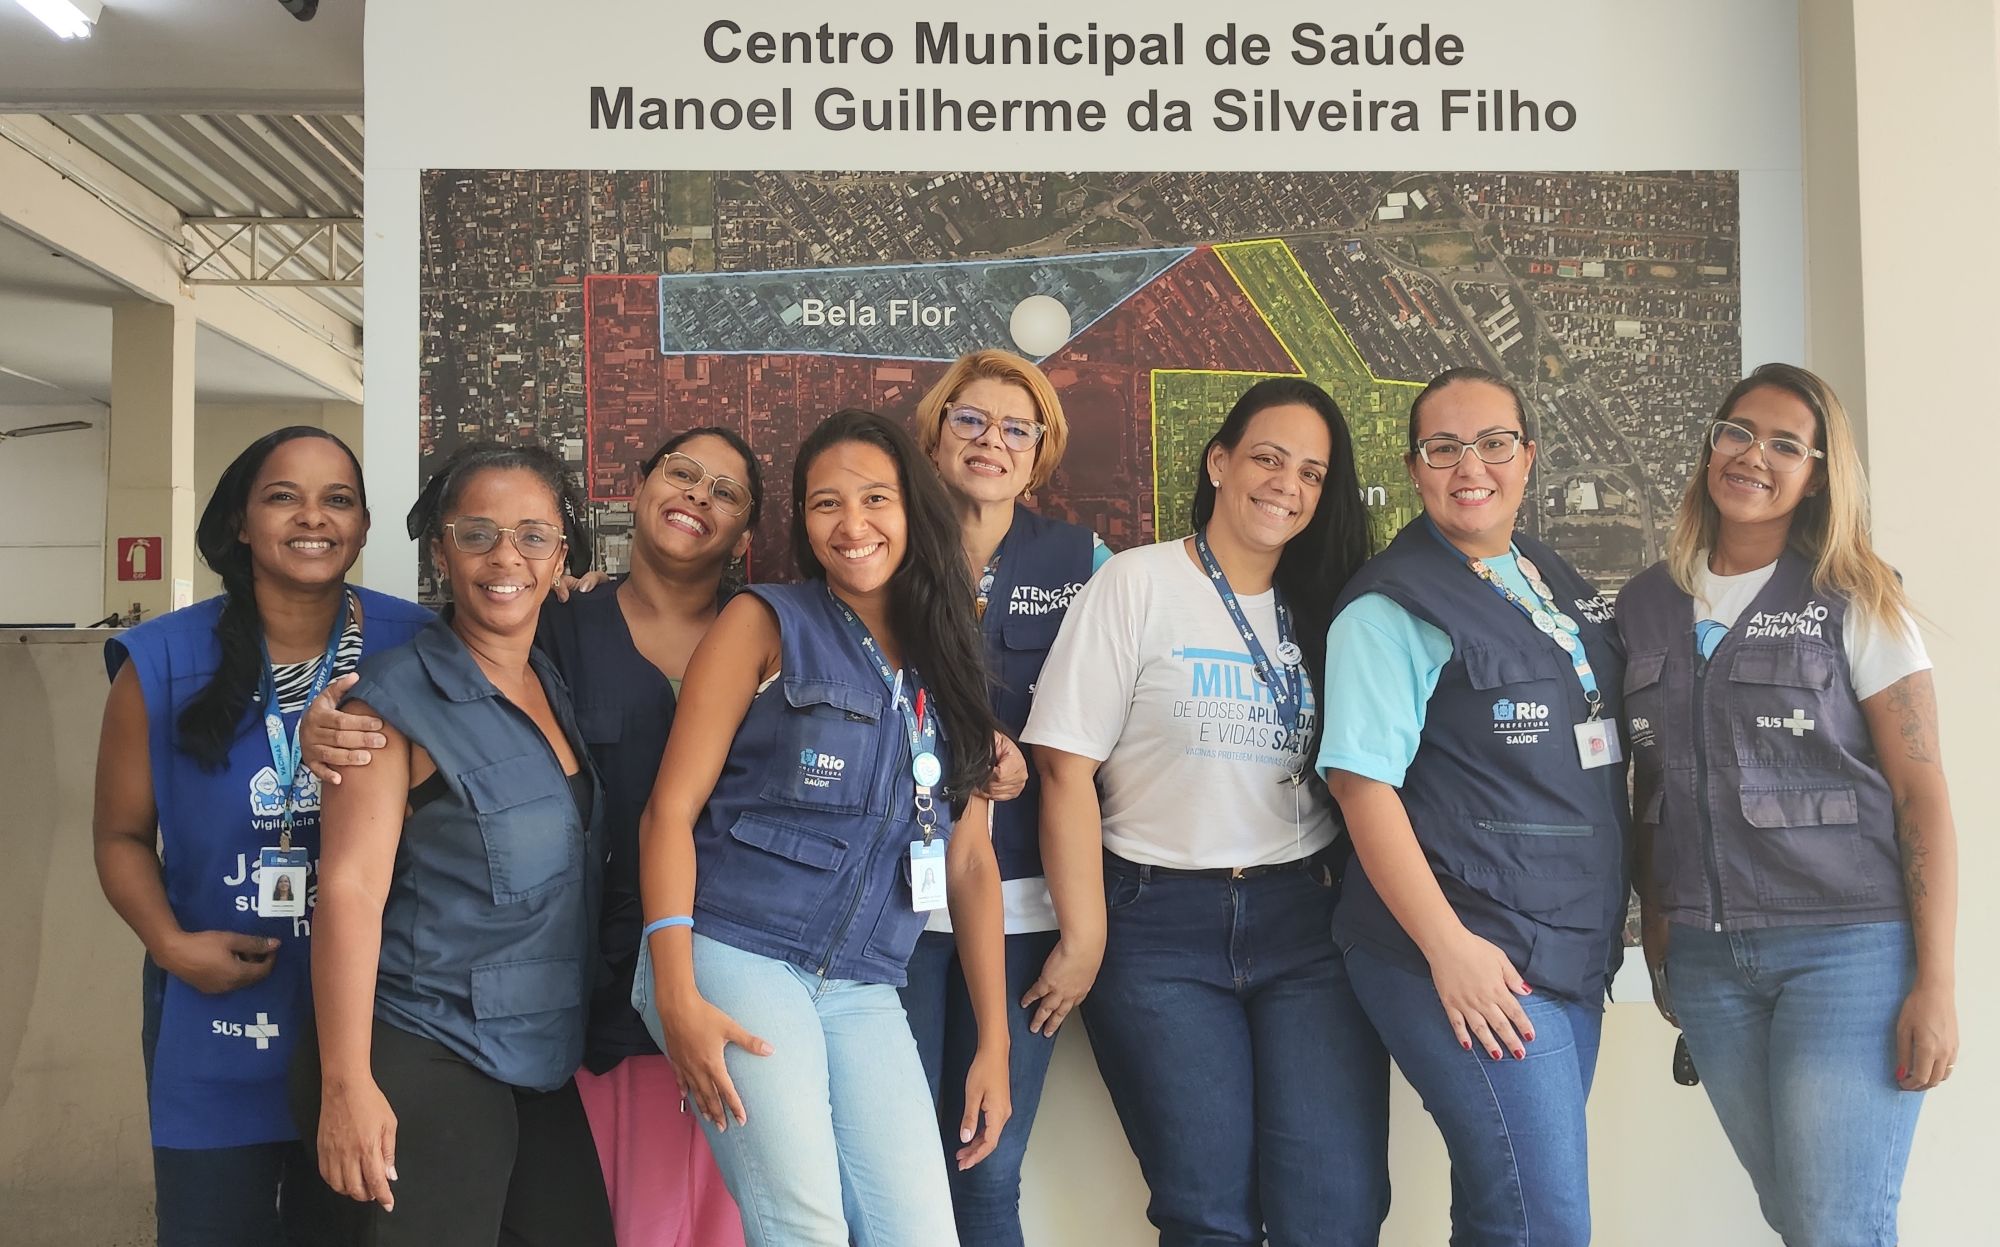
842, 1141
1793, 1031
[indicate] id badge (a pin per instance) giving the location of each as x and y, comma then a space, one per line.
1597, 744
927, 875
281, 883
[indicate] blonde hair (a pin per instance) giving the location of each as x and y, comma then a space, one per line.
1830, 526
994, 365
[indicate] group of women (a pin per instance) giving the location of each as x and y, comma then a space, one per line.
829, 863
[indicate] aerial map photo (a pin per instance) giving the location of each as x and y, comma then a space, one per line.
603, 311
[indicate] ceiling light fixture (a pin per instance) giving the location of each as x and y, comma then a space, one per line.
69, 19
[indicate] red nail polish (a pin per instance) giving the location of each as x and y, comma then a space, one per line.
1520, 1054
1465, 1044
1902, 1072
1530, 1036
1494, 1053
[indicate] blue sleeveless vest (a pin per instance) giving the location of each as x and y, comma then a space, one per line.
489, 933
803, 851
1043, 562
1756, 768
1527, 845
219, 1067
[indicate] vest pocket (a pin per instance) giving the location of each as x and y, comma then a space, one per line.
826, 746
778, 877
1779, 703
1645, 704
1807, 852
532, 843
527, 1015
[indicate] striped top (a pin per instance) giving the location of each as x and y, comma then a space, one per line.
295, 679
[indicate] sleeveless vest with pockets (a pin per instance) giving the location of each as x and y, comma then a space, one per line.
1755, 769
803, 849
1527, 844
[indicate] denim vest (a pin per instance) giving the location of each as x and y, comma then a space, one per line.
1755, 769
489, 937
1528, 846
1043, 562
218, 1070
803, 851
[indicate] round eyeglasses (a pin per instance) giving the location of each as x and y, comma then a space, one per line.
730, 496
535, 539
1785, 454
969, 424
1445, 451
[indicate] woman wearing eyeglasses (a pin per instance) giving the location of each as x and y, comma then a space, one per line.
623, 653
1797, 860
1172, 728
1473, 683
457, 948
995, 429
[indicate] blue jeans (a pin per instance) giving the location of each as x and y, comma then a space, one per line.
254, 1196
1793, 1030
986, 1198
1248, 1081
841, 1142
1514, 1129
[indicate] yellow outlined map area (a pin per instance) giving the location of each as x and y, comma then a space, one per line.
1188, 404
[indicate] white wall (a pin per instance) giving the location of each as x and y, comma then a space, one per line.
52, 538
52, 518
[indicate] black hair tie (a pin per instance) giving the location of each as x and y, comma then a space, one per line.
426, 506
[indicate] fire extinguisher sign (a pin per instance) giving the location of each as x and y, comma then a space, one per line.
138, 558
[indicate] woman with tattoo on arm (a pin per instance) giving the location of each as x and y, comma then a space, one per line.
1797, 862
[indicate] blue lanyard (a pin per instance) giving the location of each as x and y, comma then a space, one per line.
918, 720
1548, 618
1288, 689
285, 751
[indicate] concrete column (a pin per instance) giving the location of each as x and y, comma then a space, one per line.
150, 485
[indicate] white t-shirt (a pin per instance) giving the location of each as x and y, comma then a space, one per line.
1150, 677
1876, 656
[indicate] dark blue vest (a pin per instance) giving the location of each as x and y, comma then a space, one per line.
1756, 769
803, 851
1527, 845
624, 708
1043, 562
489, 936
218, 1076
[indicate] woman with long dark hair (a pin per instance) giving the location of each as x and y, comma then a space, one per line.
1472, 743
994, 428
1172, 726
817, 798
198, 794
1797, 859
624, 653
458, 945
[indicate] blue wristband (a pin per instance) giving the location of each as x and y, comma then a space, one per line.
679, 920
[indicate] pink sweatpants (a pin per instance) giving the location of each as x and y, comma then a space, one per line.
665, 1190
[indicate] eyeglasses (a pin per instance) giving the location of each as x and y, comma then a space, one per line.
1445, 451
535, 539
1784, 454
970, 424
730, 496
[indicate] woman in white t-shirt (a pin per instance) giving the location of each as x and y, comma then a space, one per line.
1796, 857
1176, 716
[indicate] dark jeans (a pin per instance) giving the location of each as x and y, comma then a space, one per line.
254, 1196
1520, 1174
985, 1199
1249, 1082
479, 1162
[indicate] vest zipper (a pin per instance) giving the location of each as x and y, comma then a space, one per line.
1710, 860
853, 905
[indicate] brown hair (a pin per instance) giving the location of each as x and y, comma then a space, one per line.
994, 365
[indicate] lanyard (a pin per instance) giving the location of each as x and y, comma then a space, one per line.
285, 750
1548, 618
1288, 690
985, 589
920, 725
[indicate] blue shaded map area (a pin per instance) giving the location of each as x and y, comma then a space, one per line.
904, 311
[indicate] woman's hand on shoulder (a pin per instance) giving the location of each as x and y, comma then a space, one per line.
331, 738
357, 1142
1010, 770
1480, 989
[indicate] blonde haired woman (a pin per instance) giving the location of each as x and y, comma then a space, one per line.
1797, 860
994, 428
